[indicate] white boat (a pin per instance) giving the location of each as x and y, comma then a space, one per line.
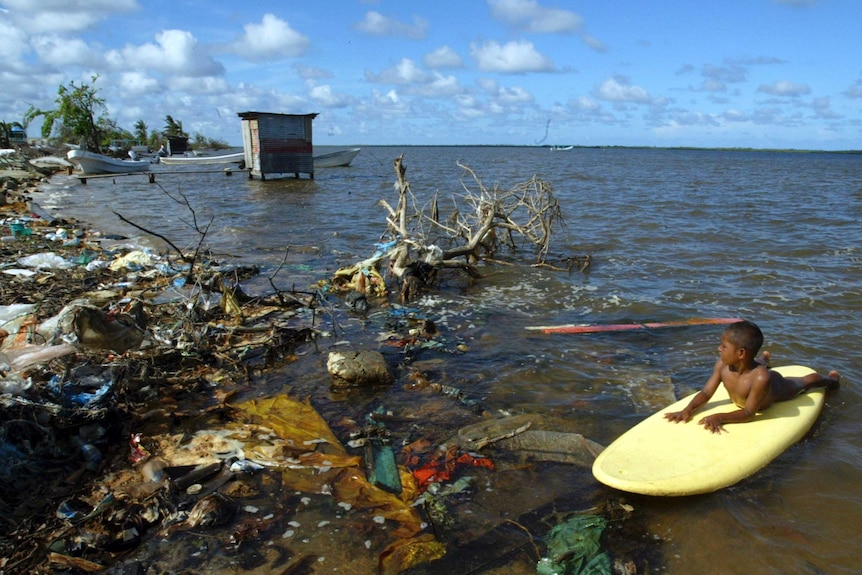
234, 158
336, 159
51, 162
92, 163
561, 148
330, 160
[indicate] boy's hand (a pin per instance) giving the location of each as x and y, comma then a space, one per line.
677, 416
712, 423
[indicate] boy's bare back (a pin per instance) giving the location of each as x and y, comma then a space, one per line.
740, 385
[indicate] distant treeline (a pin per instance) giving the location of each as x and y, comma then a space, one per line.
576, 147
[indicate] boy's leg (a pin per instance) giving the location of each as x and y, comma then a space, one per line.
785, 388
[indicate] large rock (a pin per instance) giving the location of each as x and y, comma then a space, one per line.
358, 369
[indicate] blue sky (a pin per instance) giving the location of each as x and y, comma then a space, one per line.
735, 73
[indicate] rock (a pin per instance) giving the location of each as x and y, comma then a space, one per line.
358, 369
534, 436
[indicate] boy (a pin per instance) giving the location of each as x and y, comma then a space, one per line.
749, 383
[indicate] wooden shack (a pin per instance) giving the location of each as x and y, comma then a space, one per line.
277, 145
178, 145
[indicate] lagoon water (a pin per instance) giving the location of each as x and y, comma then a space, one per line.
673, 234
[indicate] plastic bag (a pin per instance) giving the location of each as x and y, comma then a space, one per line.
46, 260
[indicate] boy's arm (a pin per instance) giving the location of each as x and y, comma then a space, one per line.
757, 396
702, 396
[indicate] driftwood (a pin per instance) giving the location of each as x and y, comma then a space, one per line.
482, 222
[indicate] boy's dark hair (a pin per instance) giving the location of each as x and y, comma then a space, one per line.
745, 334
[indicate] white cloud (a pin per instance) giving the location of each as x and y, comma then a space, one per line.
376, 24
717, 77
488, 84
198, 85
822, 108
785, 88
503, 95
385, 106
529, 16
14, 44
514, 95
535, 18
443, 57
594, 43
50, 22
438, 86
470, 107
586, 104
176, 52
137, 83
511, 58
733, 115
57, 51
272, 38
692, 118
404, 72
326, 97
619, 90
312, 72
417, 80
105, 6
50, 16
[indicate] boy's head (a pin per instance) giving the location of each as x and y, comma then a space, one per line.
745, 334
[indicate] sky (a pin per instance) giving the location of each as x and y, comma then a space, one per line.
783, 74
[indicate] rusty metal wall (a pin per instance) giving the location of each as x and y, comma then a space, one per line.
280, 143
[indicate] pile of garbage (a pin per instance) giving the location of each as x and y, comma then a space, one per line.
98, 336
124, 425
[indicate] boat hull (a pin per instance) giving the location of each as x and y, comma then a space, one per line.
92, 163
337, 159
235, 158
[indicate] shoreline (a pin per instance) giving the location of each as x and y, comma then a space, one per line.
101, 345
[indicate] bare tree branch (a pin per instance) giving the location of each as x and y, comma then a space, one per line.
482, 222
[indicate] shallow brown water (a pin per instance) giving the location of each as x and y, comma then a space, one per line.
772, 237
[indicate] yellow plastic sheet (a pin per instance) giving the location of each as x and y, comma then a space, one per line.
324, 461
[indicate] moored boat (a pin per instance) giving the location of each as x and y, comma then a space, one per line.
233, 158
93, 163
336, 159
51, 162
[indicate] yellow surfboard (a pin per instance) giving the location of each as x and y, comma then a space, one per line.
660, 457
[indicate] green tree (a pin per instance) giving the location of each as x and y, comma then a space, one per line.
79, 113
155, 140
141, 131
173, 128
114, 138
201, 142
